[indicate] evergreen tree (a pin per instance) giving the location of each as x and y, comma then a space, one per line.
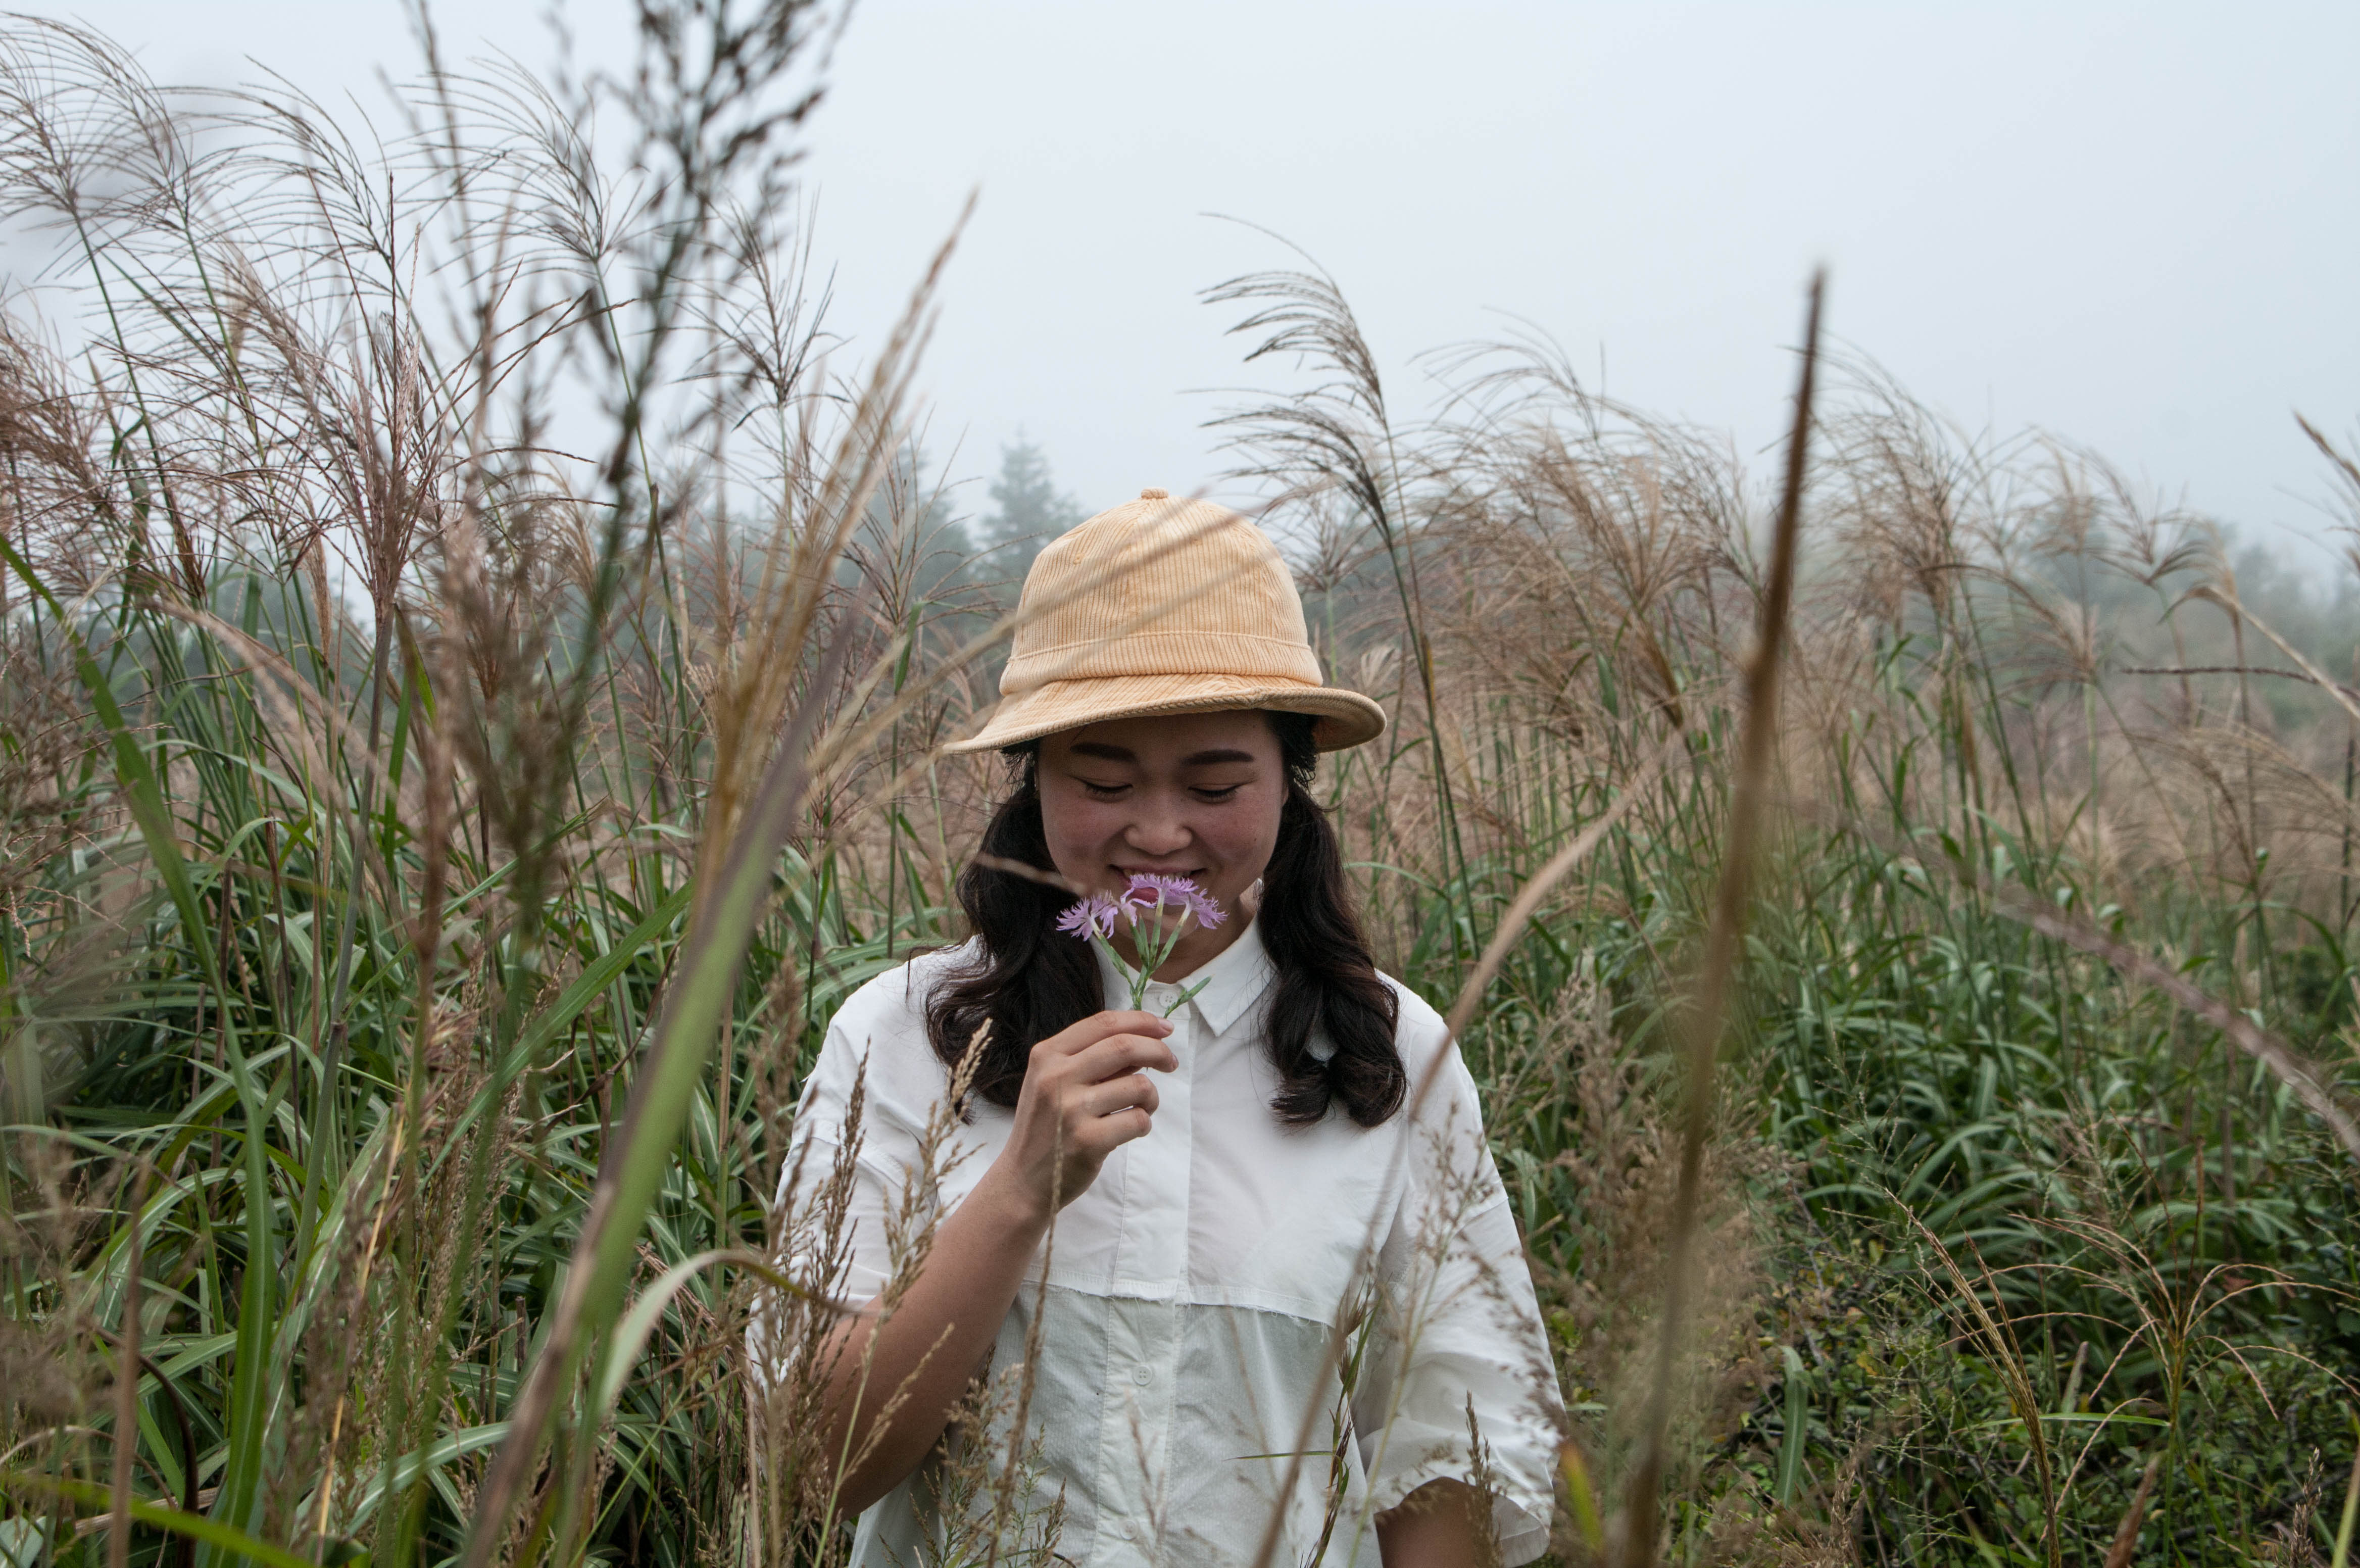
1028, 511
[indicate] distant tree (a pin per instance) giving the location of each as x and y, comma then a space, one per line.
1028, 511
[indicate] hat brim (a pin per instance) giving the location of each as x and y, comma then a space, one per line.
1346, 718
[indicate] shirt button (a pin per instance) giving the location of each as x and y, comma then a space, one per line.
1141, 1375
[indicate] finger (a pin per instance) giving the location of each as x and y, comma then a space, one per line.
1077, 1037
1113, 1096
1123, 1053
1100, 1135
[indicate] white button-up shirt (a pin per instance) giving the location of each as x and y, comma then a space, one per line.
1228, 1292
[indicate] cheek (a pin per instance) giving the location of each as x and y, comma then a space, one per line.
1075, 828
1243, 839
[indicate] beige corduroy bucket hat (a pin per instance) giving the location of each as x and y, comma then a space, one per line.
1164, 606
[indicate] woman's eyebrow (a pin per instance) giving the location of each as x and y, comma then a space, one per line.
1103, 751
1203, 758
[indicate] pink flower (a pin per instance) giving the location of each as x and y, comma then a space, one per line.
1149, 891
1159, 909
1148, 900
1093, 916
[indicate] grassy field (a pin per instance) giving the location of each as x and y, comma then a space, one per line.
472, 667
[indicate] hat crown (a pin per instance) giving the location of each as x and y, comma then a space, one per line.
1159, 586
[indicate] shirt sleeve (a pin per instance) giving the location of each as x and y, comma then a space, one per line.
1456, 1354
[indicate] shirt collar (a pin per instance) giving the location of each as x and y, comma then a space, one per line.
1233, 981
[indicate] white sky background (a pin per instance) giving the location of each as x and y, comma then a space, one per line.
2133, 226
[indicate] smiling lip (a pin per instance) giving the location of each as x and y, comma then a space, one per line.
1159, 871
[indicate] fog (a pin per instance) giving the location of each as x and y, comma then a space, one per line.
2130, 225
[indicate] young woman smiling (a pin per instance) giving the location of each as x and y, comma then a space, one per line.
1275, 1275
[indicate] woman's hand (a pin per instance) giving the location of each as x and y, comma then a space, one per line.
1085, 1095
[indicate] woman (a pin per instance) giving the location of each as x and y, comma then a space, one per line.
1247, 1228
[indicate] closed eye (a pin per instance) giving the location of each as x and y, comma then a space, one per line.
1104, 791
1217, 792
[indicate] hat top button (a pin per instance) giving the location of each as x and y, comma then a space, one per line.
1153, 493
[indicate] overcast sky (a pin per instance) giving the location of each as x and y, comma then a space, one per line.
2133, 225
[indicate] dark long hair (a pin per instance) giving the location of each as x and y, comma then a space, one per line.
1029, 980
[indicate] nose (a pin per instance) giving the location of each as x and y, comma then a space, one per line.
1157, 834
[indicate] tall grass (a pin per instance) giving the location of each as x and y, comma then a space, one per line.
474, 675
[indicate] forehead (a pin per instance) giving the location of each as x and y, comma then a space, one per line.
1171, 740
